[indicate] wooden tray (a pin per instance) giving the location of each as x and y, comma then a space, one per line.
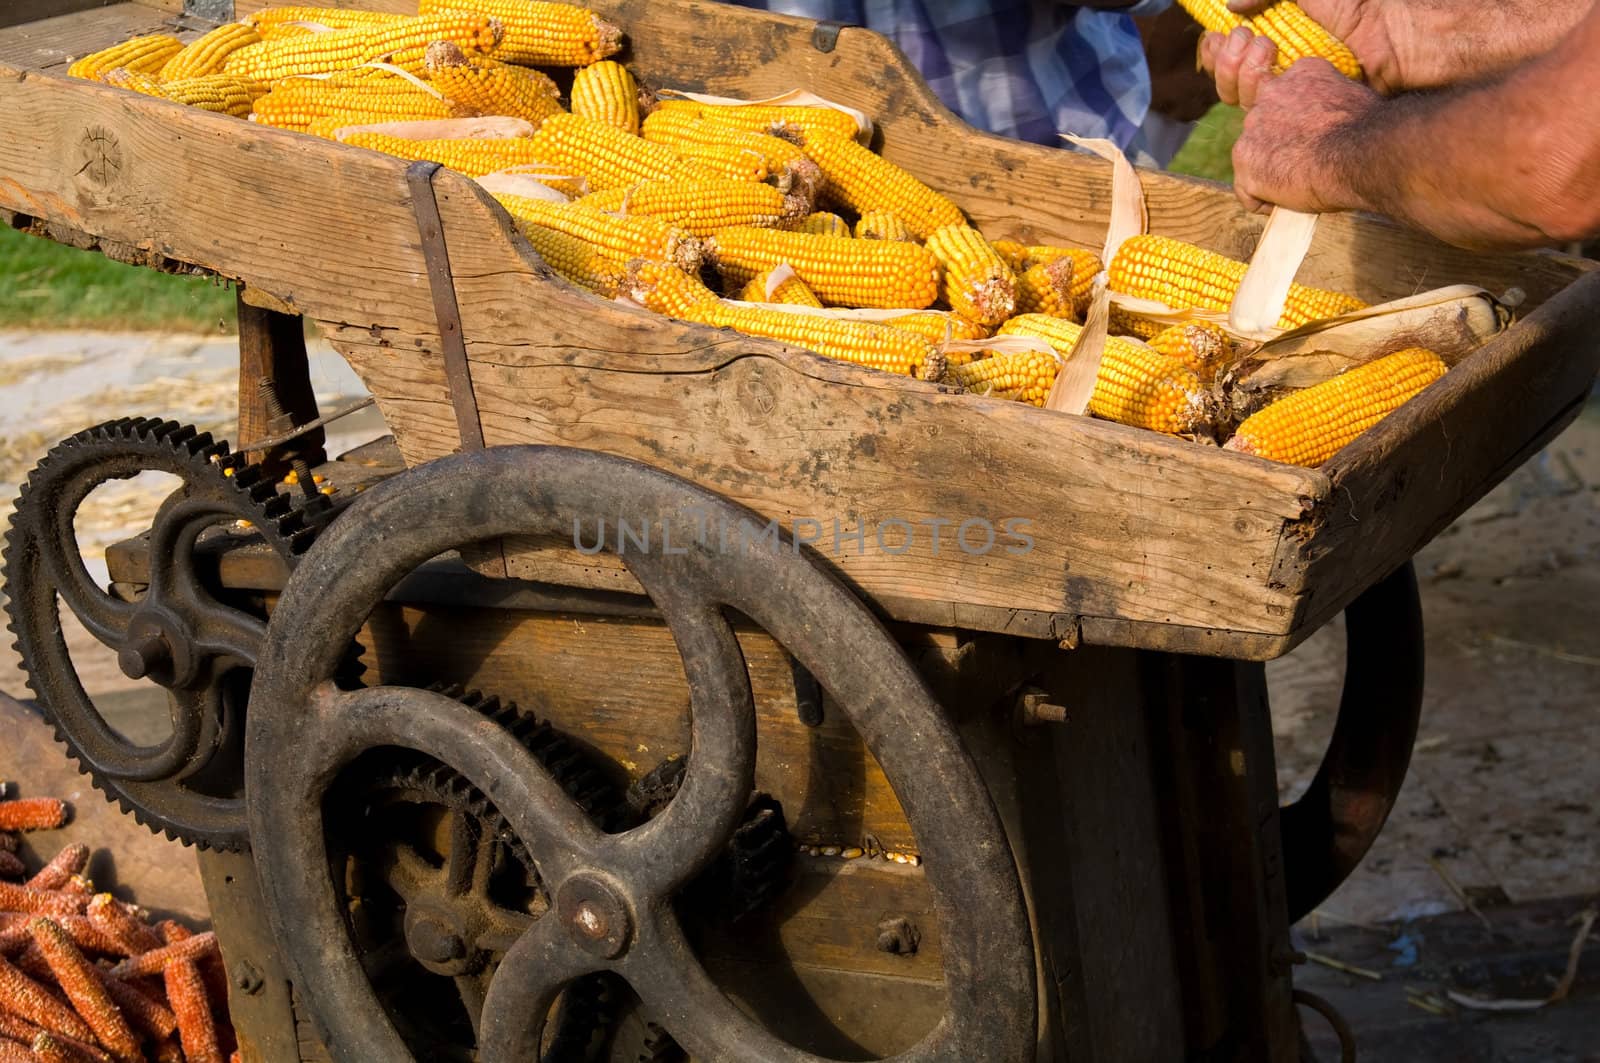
1138, 540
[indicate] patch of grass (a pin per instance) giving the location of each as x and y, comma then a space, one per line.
1209, 150
44, 284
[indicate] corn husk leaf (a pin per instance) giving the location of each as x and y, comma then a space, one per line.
792, 98
1074, 385
488, 127
526, 185
776, 278
1000, 345
1259, 302
1452, 322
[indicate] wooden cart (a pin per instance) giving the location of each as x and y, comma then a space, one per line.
1098, 677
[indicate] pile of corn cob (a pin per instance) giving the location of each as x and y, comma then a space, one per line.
816, 241
85, 977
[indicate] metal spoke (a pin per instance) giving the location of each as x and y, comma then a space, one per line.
524, 989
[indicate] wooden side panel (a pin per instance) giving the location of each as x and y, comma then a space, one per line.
1404, 481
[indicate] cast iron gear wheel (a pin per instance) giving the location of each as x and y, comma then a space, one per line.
178, 634
465, 882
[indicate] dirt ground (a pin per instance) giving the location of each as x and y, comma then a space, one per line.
1494, 845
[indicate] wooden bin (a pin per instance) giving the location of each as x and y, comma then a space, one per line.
1137, 539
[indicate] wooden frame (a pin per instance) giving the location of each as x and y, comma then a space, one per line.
1138, 540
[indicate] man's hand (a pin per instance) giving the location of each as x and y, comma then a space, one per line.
1298, 148
1361, 24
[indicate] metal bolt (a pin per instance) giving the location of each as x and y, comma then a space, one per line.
1037, 708
144, 655
248, 979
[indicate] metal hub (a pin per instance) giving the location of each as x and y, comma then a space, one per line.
302, 730
596, 914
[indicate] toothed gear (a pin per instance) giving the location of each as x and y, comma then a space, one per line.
476, 911
189, 786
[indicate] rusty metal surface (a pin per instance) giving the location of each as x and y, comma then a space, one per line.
303, 730
436, 253
1330, 828
127, 859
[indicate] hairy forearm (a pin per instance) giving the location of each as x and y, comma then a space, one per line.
1510, 162
1443, 42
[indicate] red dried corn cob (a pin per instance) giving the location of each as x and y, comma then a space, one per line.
169, 1051
196, 1027
31, 962
16, 1052
17, 1028
141, 1009
10, 866
32, 813
155, 961
48, 1048
15, 898
80, 885
79, 979
116, 921
27, 999
61, 869
172, 931
86, 936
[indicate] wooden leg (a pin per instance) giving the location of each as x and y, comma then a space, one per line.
275, 388
1210, 720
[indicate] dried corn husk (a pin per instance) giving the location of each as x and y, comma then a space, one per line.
792, 98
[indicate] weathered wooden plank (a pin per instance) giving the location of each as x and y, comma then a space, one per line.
59, 31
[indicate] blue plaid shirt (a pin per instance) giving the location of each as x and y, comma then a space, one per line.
1029, 69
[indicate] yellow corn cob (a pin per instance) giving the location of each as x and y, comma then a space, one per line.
1136, 385
791, 290
576, 260
275, 21
977, 284
542, 34
725, 161
881, 225
141, 55
1311, 426
220, 93
856, 178
488, 86
757, 156
1047, 289
824, 224
1185, 277
939, 327
297, 102
608, 157
619, 238
144, 84
1202, 346
860, 342
1297, 34
701, 207
764, 118
1021, 376
666, 289
402, 43
606, 92
1014, 252
206, 54
867, 273
1123, 323
473, 156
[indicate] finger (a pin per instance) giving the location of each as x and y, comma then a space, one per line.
1206, 54
1254, 69
1228, 60
1247, 7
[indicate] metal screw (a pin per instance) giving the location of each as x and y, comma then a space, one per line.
248, 979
